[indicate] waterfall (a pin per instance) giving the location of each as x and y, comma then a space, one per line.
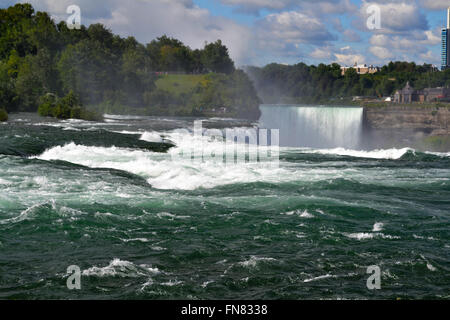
314, 127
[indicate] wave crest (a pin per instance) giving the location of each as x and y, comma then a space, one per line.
121, 268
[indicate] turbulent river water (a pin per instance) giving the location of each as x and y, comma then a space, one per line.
140, 223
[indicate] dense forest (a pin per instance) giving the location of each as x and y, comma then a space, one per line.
65, 73
301, 83
47, 66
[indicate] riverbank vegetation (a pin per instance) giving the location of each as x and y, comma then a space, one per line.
40, 59
3, 115
301, 83
68, 107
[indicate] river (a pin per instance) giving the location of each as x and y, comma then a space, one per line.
141, 223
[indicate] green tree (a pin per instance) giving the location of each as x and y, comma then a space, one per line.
216, 58
8, 98
89, 69
3, 115
15, 22
36, 76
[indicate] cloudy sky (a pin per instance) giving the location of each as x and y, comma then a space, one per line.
258, 32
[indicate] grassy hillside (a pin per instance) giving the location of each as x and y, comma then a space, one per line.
179, 83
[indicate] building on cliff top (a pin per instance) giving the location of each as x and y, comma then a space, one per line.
409, 95
361, 69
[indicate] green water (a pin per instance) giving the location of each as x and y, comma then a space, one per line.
142, 226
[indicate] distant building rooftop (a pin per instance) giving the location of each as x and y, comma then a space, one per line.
409, 95
361, 69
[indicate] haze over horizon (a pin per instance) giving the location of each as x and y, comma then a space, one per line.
258, 32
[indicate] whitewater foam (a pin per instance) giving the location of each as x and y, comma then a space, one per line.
122, 117
392, 154
254, 260
361, 235
121, 268
201, 164
326, 276
172, 283
171, 216
206, 283
160, 170
24, 215
300, 213
135, 240
366, 235
431, 267
152, 137
377, 227
129, 132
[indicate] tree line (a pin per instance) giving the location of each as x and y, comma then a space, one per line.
48, 67
300, 83
46, 63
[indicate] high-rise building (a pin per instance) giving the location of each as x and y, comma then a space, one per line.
446, 44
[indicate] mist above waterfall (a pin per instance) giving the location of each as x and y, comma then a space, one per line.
315, 126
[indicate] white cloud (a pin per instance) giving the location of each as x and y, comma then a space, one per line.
435, 4
417, 42
322, 53
253, 6
294, 27
427, 56
326, 7
315, 7
381, 52
290, 34
396, 16
347, 57
413, 47
351, 36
